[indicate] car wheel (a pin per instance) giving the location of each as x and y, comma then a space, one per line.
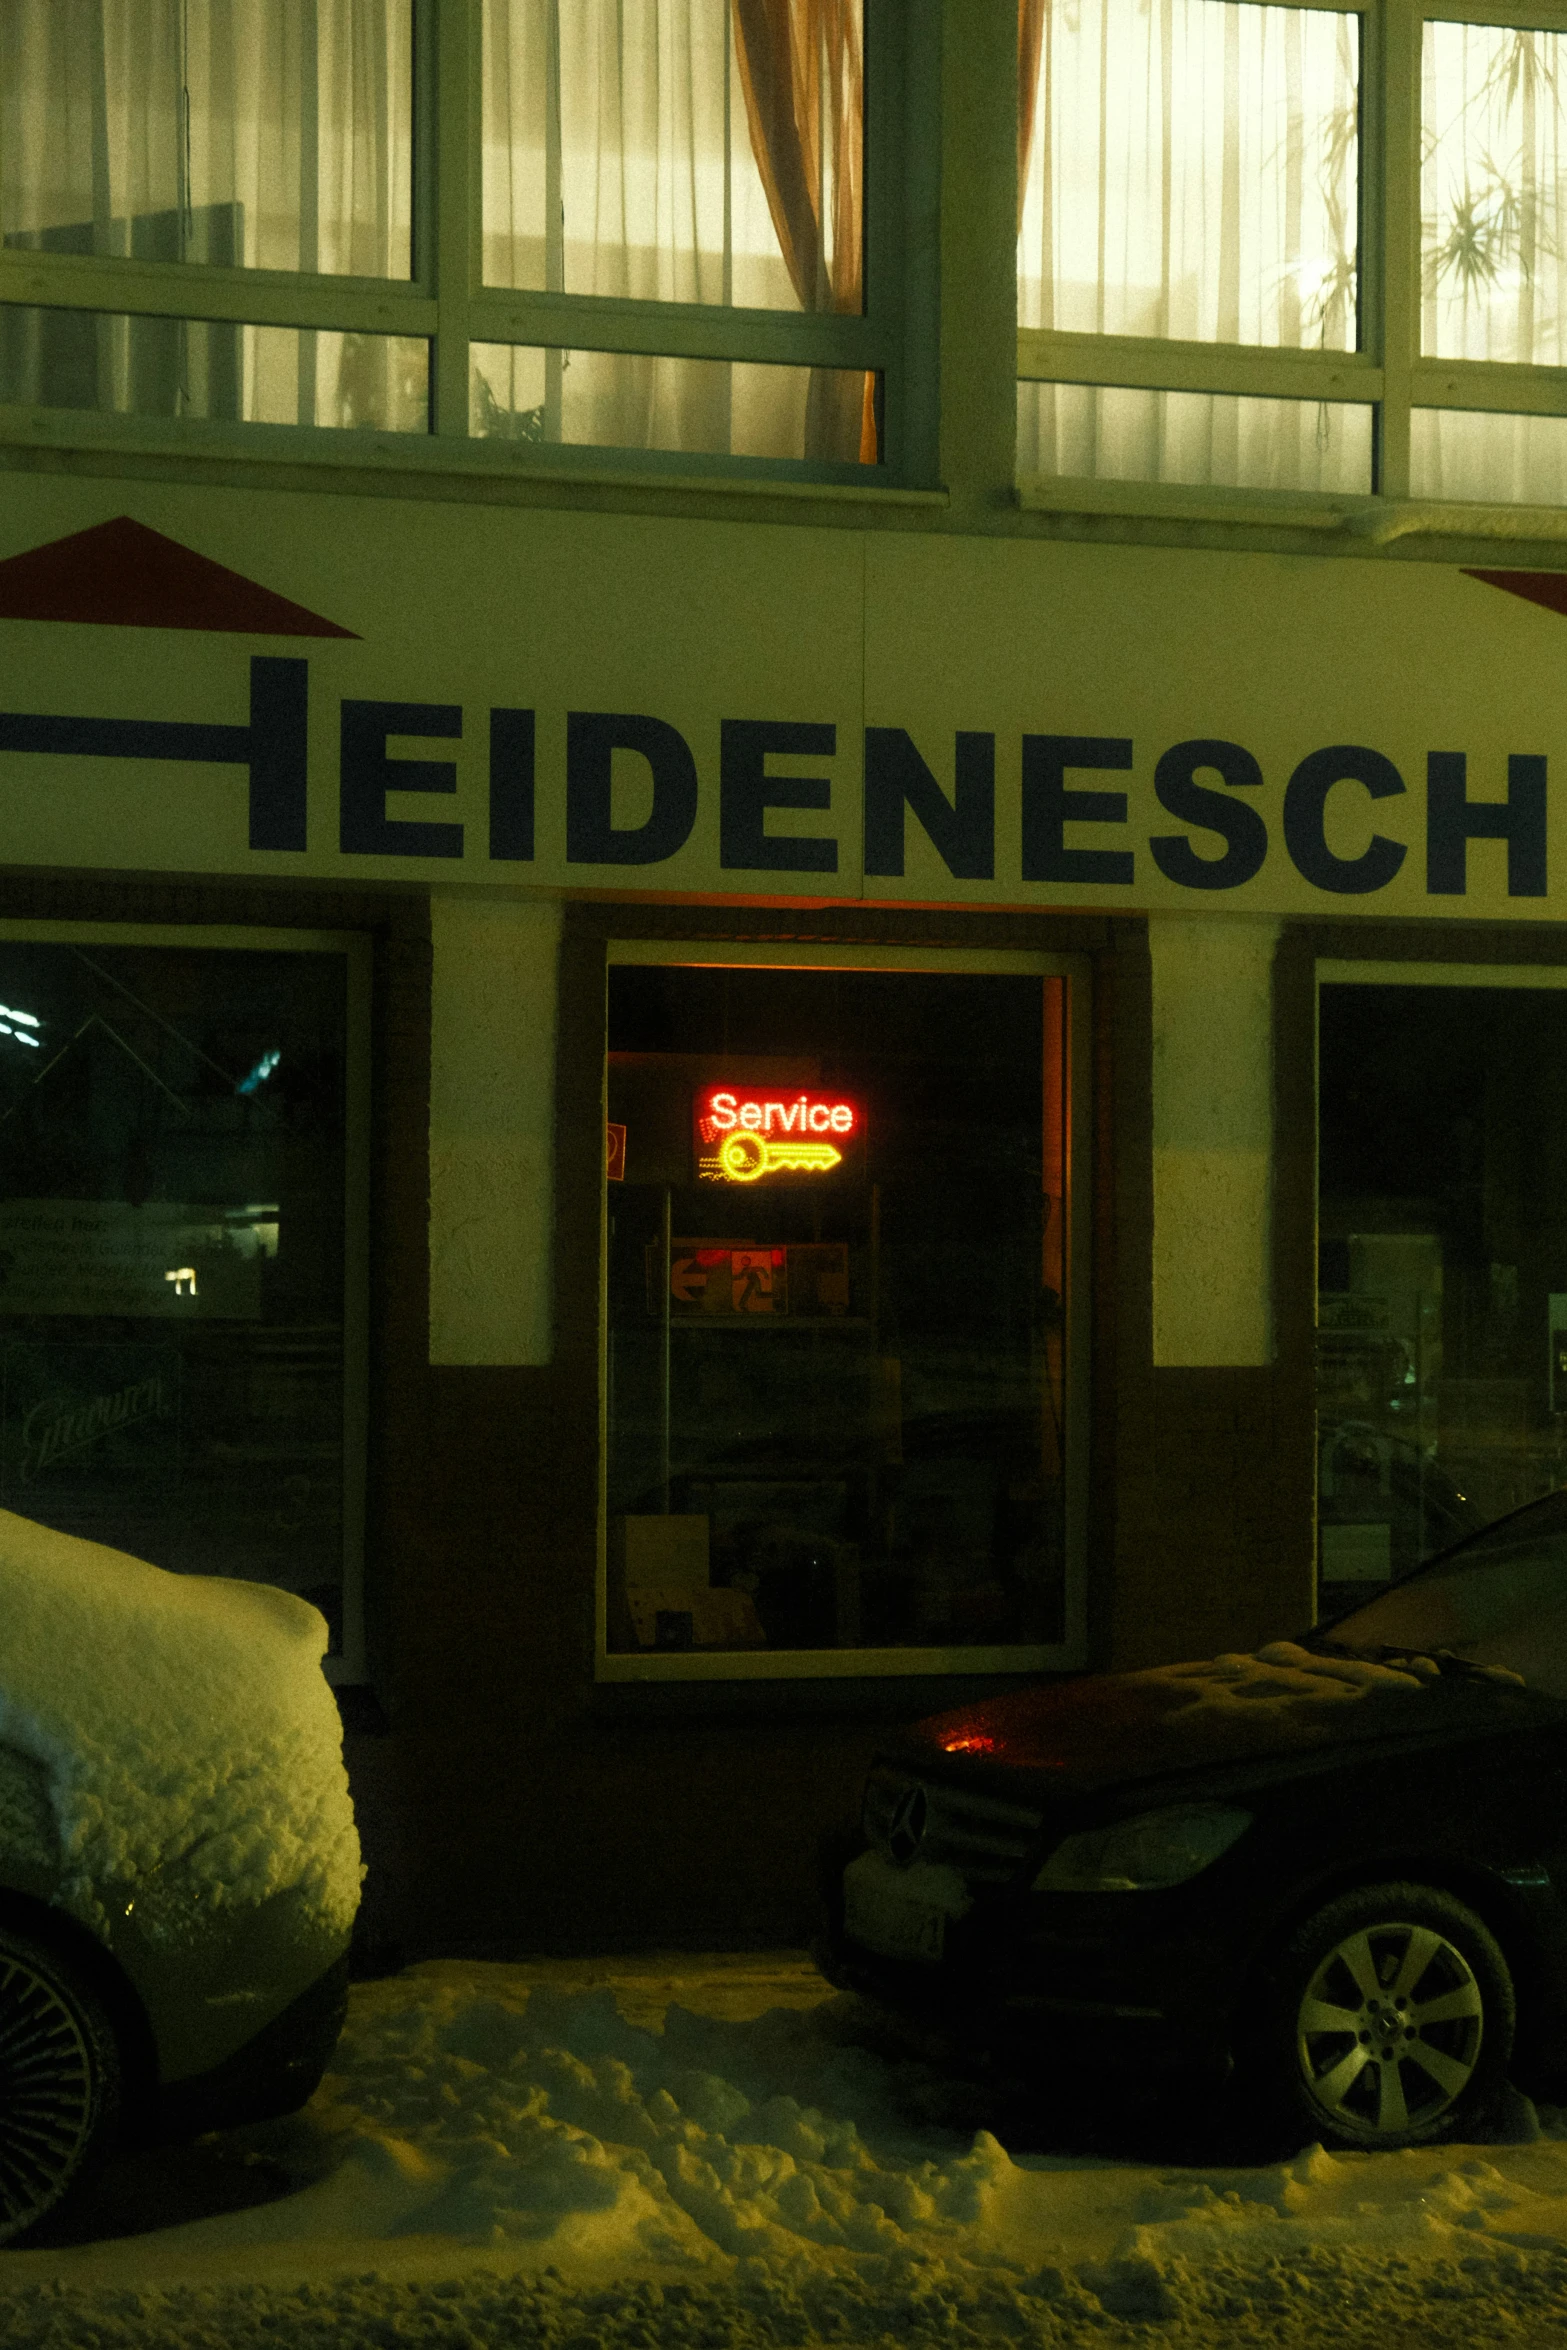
59, 2080
1385, 2021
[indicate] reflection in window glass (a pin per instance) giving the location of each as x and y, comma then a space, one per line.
212, 371
676, 153
172, 1148
625, 400
836, 1403
1501, 1602
1510, 460
1108, 433
210, 133
1191, 171
1442, 1268
1493, 265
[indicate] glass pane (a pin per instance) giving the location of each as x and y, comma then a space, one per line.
210, 133
171, 1255
1207, 438
1495, 273
1191, 171
1500, 1601
676, 150
215, 372
1458, 453
718, 407
836, 1402
1442, 1268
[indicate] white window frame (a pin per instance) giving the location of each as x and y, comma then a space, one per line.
350, 1666
446, 304
1070, 1654
1387, 372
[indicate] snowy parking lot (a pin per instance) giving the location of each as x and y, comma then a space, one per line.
725, 2152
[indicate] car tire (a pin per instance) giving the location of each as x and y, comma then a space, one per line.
60, 2081
1385, 2020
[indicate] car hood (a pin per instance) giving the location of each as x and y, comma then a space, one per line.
1281, 1701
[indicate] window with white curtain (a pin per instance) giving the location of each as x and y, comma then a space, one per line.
708, 153
271, 135
1292, 248
648, 233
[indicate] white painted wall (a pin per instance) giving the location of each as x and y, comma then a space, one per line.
492, 1108
1212, 1139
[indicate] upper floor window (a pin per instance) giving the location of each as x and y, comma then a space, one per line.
608, 224
696, 153
272, 136
1193, 174
1283, 247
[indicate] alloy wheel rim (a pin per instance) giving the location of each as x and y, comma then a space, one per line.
46, 2094
1389, 2029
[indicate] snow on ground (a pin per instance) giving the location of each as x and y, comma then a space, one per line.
727, 2153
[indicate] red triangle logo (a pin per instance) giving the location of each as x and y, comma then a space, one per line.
1536, 587
120, 574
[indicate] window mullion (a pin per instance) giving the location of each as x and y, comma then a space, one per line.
684, 330
180, 289
456, 204
1500, 387
1261, 371
885, 38
1392, 228
978, 265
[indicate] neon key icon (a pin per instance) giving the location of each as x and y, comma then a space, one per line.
743, 1157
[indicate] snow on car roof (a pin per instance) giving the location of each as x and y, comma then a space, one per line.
185, 1727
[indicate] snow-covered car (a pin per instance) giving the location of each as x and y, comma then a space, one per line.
1332, 1873
179, 1866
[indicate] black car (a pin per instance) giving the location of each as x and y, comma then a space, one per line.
1334, 1871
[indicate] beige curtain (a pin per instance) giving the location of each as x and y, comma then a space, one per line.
266, 134
803, 73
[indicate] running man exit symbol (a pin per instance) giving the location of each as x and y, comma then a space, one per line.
751, 1271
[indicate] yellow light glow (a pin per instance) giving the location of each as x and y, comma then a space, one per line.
743, 1157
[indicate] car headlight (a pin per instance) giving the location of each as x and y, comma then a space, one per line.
1157, 1848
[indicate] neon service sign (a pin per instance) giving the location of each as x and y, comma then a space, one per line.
742, 1136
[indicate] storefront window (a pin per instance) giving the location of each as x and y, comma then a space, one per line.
180, 1288
1442, 1266
838, 1357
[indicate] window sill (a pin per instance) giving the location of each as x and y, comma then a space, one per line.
415, 459
1359, 521
828, 1664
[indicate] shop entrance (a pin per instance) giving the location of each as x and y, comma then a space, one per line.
838, 1355
1442, 1261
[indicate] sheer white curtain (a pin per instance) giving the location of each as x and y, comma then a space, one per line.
610, 136
1494, 261
619, 160
1192, 175
270, 134
620, 125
